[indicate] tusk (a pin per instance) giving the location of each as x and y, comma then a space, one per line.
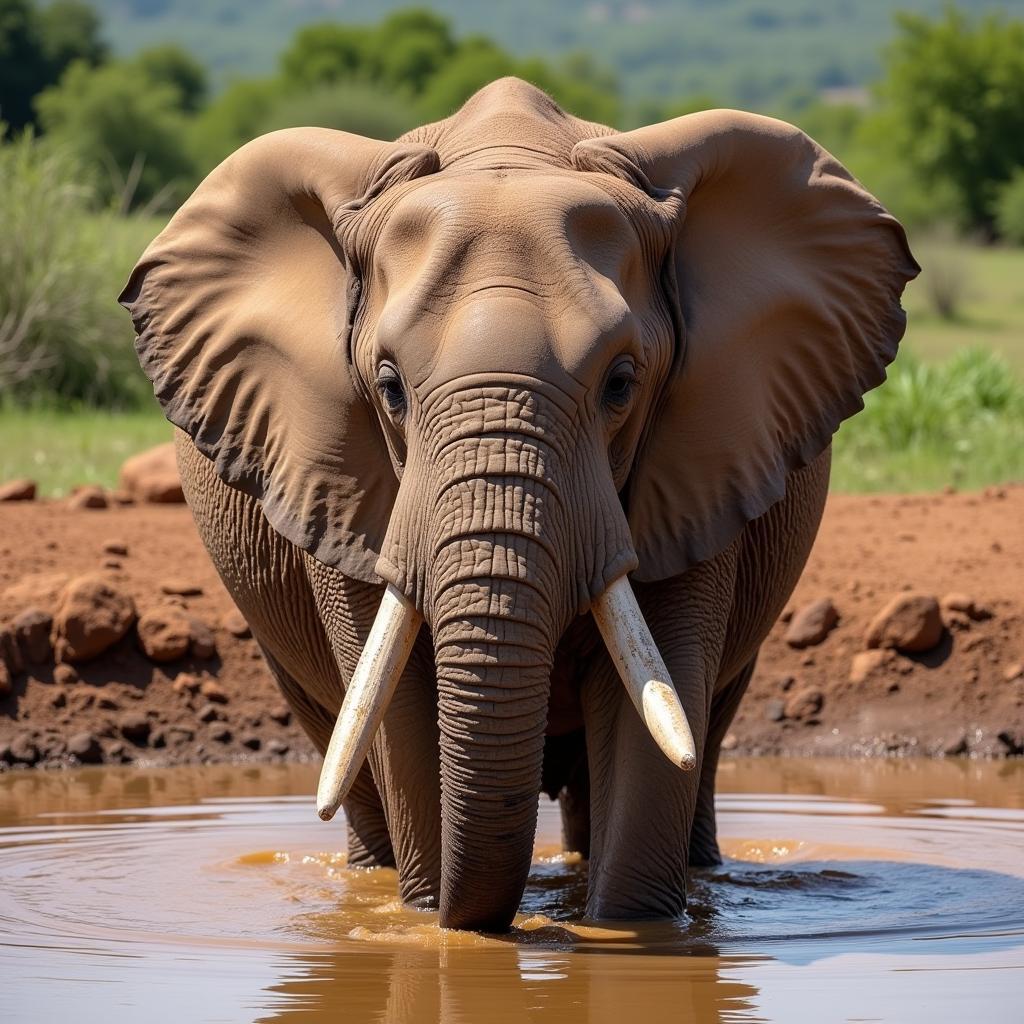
643, 672
367, 697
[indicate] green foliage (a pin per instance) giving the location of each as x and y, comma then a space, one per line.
414, 53
71, 31
171, 65
1010, 209
325, 53
125, 129
35, 48
954, 91
61, 267
958, 422
232, 119
355, 107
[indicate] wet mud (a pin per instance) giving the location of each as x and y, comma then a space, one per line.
889, 891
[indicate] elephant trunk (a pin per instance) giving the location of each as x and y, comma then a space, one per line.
498, 600
493, 677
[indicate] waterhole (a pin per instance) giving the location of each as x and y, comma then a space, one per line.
851, 892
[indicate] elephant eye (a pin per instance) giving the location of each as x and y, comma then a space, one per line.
618, 388
389, 384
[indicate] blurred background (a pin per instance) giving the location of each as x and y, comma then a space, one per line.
112, 112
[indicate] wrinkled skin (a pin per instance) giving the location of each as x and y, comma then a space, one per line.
498, 366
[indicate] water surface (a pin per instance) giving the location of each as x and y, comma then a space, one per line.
885, 891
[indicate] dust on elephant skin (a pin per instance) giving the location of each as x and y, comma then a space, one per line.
499, 366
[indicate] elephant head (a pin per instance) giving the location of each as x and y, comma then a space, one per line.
499, 365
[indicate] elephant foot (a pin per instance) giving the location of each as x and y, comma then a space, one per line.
704, 854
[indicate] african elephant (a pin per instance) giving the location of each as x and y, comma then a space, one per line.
439, 399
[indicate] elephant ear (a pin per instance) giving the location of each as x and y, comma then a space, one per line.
241, 306
788, 277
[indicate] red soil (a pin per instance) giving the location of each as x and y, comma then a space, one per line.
966, 695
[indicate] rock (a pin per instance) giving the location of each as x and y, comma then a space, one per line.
252, 741
152, 476
164, 633
185, 683
59, 699
115, 547
5, 679
37, 590
92, 616
281, 714
108, 704
1013, 671
10, 649
866, 663
811, 623
134, 727
202, 645
221, 734
86, 747
280, 748
910, 623
730, 742
32, 628
213, 692
23, 750
957, 745
88, 497
804, 704
234, 622
65, 674
775, 711
956, 604
182, 588
119, 497
209, 713
18, 490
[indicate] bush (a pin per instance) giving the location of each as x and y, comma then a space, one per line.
957, 422
1010, 209
352, 107
61, 267
126, 129
946, 280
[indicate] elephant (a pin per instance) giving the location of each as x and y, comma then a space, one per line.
510, 439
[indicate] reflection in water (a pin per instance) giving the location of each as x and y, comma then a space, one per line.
208, 895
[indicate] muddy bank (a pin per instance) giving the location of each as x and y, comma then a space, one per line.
119, 644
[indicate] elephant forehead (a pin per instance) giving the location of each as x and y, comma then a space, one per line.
538, 229
526, 274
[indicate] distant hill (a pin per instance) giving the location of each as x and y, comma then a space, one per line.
748, 52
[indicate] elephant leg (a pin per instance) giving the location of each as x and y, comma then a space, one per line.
404, 756
564, 777
642, 805
369, 845
704, 850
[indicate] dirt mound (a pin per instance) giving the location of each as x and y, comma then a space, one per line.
905, 635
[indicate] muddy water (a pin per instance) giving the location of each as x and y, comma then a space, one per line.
883, 892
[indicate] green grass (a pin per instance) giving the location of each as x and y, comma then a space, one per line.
991, 307
59, 449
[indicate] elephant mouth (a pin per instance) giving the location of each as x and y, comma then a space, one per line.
383, 659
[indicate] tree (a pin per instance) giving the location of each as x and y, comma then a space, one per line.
171, 65
70, 32
35, 48
954, 97
325, 53
124, 126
